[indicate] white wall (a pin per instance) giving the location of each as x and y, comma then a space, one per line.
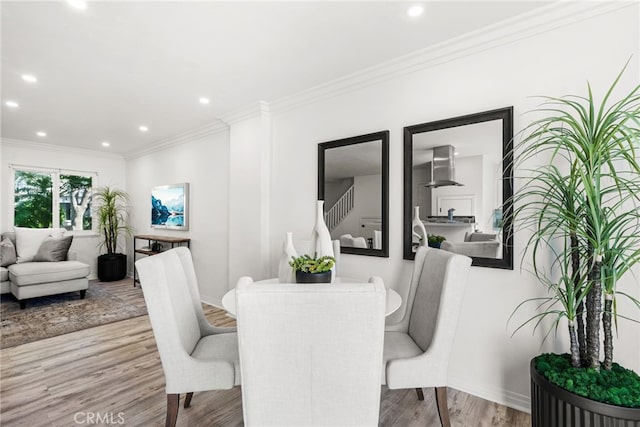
486, 360
110, 169
204, 163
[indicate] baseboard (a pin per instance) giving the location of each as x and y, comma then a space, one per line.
503, 397
211, 301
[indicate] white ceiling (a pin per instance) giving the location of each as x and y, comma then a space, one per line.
104, 71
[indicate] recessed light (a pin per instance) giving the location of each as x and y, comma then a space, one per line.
204, 101
29, 78
12, 104
105, 144
455, 153
143, 128
415, 11
42, 134
78, 4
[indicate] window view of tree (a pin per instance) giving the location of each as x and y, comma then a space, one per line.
75, 202
33, 199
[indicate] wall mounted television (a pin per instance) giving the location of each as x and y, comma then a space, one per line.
170, 206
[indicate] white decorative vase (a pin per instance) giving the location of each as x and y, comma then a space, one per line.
285, 272
320, 236
417, 227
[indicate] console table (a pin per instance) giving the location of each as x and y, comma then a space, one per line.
147, 250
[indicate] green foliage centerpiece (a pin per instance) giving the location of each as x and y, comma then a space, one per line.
312, 270
434, 240
581, 210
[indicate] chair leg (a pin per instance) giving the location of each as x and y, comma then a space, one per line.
187, 400
23, 304
83, 293
420, 394
443, 410
173, 403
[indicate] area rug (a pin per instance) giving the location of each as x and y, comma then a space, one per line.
55, 315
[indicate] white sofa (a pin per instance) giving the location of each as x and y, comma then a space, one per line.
36, 278
476, 244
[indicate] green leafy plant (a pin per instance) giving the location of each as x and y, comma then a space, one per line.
581, 210
308, 264
618, 386
112, 216
434, 238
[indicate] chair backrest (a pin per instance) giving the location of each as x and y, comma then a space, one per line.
435, 298
377, 239
171, 294
310, 354
347, 240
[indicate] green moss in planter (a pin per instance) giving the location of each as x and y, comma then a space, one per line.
619, 386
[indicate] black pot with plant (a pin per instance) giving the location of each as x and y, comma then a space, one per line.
435, 241
312, 270
580, 209
111, 214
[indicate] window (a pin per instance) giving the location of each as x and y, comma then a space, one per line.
51, 198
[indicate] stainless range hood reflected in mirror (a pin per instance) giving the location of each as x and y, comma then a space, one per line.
443, 169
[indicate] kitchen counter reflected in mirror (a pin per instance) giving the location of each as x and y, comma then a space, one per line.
457, 177
353, 180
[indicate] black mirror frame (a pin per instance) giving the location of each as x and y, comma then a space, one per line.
382, 136
504, 114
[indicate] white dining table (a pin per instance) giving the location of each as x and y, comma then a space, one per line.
392, 303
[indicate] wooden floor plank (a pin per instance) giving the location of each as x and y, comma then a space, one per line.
114, 370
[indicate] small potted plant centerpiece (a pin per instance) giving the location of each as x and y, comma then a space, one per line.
312, 270
111, 214
580, 209
434, 240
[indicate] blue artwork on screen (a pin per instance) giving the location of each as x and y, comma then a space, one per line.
169, 206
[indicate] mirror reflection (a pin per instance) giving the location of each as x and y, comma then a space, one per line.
352, 180
455, 187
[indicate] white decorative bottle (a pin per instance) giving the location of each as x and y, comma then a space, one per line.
285, 272
320, 236
417, 227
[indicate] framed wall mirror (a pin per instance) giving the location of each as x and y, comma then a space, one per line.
458, 185
353, 181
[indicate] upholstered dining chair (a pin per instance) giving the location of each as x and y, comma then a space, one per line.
310, 354
195, 355
417, 348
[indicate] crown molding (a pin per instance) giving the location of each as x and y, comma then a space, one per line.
212, 128
548, 18
41, 146
257, 109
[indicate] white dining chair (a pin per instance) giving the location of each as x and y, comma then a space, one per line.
418, 347
195, 355
310, 354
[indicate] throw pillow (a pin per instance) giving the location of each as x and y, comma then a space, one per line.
28, 240
7, 253
53, 249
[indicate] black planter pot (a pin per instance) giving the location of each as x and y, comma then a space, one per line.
112, 267
552, 406
302, 277
434, 245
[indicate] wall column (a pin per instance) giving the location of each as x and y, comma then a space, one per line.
249, 194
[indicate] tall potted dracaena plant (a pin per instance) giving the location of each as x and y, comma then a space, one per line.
112, 224
581, 210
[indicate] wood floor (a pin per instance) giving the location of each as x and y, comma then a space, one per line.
111, 375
